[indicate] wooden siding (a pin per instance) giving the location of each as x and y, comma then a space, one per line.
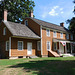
3, 39
16, 52
33, 26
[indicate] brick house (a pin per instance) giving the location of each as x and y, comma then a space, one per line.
34, 37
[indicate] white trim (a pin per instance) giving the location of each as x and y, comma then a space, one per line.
6, 45
37, 45
41, 39
27, 48
47, 32
4, 31
61, 36
54, 34
25, 22
71, 36
67, 36
9, 46
22, 45
49, 45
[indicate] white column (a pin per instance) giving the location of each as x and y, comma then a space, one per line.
71, 48
59, 47
9, 46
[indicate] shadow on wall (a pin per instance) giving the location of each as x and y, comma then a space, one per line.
48, 67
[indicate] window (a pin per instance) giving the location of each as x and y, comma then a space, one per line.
71, 37
20, 45
39, 45
61, 35
26, 22
67, 36
55, 46
48, 45
54, 34
7, 45
48, 32
4, 31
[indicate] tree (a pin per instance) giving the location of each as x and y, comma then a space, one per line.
17, 9
72, 22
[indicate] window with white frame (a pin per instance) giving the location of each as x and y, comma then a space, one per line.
55, 46
7, 45
71, 36
39, 45
48, 45
20, 45
48, 32
54, 34
61, 35
67, 36
26, 22
4, 31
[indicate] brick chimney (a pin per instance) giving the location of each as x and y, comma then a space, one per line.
31, 13
5, 15
62, 24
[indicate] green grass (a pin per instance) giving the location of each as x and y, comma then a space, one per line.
38, 66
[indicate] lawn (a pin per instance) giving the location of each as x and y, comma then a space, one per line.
38, 66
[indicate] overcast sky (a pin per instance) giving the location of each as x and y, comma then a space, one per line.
54, 11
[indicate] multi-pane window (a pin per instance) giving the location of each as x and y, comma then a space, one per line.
61, 35
54, 34
48, 45
39, 45
26, 22
4, 31
48, 32
55, 46
20, 45
67, 36
7, 45
71, 37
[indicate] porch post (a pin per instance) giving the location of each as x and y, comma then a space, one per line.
65, 49
71, 47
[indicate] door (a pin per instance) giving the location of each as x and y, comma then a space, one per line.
61, 48
29, 48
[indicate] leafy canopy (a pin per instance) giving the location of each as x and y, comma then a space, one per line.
17, 9
72, 22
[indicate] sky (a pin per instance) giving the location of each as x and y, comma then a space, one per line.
54, 11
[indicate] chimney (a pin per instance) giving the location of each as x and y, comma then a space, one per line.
62, 24
5, 15
31, 13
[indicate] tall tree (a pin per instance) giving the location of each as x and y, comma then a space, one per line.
72, 22
17, 9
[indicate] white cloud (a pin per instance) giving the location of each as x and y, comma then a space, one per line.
61, 8
53, 12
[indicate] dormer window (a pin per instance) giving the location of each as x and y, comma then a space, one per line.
26, 22
4, 31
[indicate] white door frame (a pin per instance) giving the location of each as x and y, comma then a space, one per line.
27, 48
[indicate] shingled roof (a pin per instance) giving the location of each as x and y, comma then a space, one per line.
50, 25
18, 29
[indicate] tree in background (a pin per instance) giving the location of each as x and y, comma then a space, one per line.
72, 22
17, 9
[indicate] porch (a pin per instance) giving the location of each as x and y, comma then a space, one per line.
63, 46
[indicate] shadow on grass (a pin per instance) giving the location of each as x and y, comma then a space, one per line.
48, 67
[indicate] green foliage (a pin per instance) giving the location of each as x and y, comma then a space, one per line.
17, 9
72, 22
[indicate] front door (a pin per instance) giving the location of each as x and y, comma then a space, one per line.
29, 48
